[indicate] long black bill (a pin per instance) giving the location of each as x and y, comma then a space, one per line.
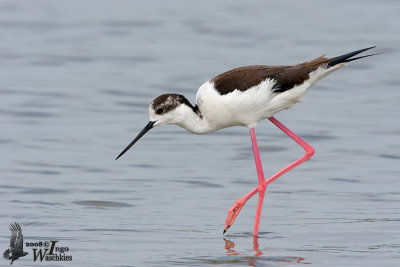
145, 130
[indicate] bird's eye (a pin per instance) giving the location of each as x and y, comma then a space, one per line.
159, 111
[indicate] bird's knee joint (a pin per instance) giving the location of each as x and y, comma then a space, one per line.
262, 187
310, 151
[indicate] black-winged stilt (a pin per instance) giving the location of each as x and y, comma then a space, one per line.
242, 97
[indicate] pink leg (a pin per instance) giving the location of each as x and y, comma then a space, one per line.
261, 181
235, 210
309, 150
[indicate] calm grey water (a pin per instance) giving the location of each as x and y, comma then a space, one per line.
76, 79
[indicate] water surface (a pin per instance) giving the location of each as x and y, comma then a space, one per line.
76, 81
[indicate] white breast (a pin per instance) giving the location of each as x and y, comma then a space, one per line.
246, 108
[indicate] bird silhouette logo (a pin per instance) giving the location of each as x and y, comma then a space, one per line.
16, 248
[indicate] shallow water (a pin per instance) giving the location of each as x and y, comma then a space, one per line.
77, 78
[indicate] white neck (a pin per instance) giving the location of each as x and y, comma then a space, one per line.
191, 121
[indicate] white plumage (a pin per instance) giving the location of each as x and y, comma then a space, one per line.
237, 108
242, 97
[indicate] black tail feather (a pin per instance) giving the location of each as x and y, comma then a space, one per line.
348, 57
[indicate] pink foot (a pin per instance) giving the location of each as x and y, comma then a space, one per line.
262, 184
237, 207
233, 213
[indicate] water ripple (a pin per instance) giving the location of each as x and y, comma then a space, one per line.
41, 190
102, 204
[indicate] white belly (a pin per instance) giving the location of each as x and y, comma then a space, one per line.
246, 108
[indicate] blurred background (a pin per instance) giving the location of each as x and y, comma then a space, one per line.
76, 79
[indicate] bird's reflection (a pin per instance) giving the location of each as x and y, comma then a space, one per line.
255, 247
252, 260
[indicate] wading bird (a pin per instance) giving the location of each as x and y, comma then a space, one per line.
242, 97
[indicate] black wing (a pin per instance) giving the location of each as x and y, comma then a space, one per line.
16, 239
285, 77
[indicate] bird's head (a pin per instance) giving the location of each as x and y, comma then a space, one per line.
168, 109
165, 109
